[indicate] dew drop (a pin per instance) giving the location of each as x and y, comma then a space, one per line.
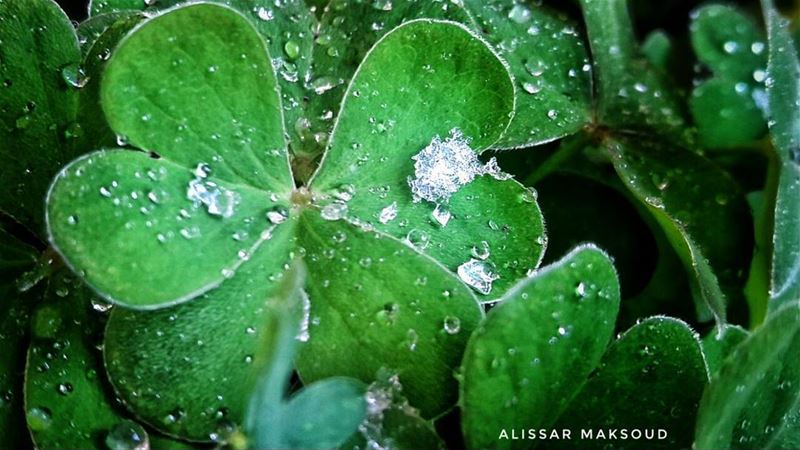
127, 435
452, 325
388, 213
334, 211
441, 215
39, 419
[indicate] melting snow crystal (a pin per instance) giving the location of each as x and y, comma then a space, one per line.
217, 200
478, 274
444, 166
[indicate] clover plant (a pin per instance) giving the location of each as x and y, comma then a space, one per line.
398, 224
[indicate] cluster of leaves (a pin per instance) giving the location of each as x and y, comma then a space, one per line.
205, 198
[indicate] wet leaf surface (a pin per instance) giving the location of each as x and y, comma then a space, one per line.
753, 401
558, 321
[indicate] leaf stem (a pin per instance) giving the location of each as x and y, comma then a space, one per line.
565, 151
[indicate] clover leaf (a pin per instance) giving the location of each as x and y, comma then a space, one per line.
287, 28
630, 94
783, 89
67, 402
560, 376
648, 170
729, 108
544, 52
212, 185
750, 403
16, 258
45, 104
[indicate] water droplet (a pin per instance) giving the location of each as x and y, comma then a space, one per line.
190, 232
277, 215
478, 274
418, 239
411, 339
531, 88
264, 14
730, 47
74, 76
388, 213
452, 325
292, 50
322, 85
65, 388
39, 419
73, 131
441, 215
580, 290
127, 435
334, 211
382, 5
481, 251
519, 13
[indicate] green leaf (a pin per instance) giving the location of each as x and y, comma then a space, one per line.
537, 347
97, 7
391, 115
728, 108
37, 105
324, 414
631, 95
190, 369
718, 344
754, 401
783, 89
377, 303
151, 94
123, 220
543, 51
651, 378
90, 30
659, 50
547, 57
725, 113
728, 42
68, 403
286, 26
700, 209
93, 127
348, 30
15, 259
220, 168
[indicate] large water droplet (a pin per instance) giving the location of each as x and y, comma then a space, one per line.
334, 211
127, 435
39, 419
452, 325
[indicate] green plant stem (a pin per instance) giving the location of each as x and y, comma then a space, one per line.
565, 151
